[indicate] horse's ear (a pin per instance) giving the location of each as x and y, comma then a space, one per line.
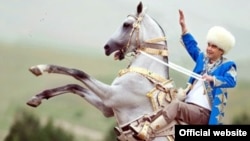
139, 7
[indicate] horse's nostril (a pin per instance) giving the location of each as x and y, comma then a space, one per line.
106, 46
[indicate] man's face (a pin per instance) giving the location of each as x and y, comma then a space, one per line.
213, 52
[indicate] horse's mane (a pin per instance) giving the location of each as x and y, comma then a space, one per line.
160, 28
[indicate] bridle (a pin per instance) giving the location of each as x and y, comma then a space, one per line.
148, 46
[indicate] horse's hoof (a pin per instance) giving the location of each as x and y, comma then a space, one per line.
34, 102
35, 70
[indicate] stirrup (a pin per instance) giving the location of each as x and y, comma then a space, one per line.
141, 132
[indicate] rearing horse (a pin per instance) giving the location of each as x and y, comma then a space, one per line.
140, 89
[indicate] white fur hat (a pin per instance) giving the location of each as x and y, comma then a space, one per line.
221, 37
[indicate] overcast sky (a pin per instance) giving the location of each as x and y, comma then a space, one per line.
77, 23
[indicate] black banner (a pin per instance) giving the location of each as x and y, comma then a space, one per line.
211, 131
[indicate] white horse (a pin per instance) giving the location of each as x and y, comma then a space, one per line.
139, 90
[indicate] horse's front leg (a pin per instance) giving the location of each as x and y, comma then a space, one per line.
40, 69
100, 89
75, 89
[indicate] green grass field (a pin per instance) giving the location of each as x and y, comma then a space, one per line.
18, 85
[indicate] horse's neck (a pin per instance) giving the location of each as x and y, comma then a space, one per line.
151, 65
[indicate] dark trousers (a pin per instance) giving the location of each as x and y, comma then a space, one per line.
186, 112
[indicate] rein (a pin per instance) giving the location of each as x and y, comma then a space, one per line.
175, 67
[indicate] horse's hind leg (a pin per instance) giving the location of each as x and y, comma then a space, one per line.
75, 89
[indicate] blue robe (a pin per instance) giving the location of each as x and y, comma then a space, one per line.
224, 75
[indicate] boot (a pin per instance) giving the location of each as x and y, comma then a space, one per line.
151, 125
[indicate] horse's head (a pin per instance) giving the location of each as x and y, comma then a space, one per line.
135, 30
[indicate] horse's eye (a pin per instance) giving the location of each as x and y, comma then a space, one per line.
126, 25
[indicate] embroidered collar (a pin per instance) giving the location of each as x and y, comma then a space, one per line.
208, 67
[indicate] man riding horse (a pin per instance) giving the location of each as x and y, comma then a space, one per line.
142, 98
206, 100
